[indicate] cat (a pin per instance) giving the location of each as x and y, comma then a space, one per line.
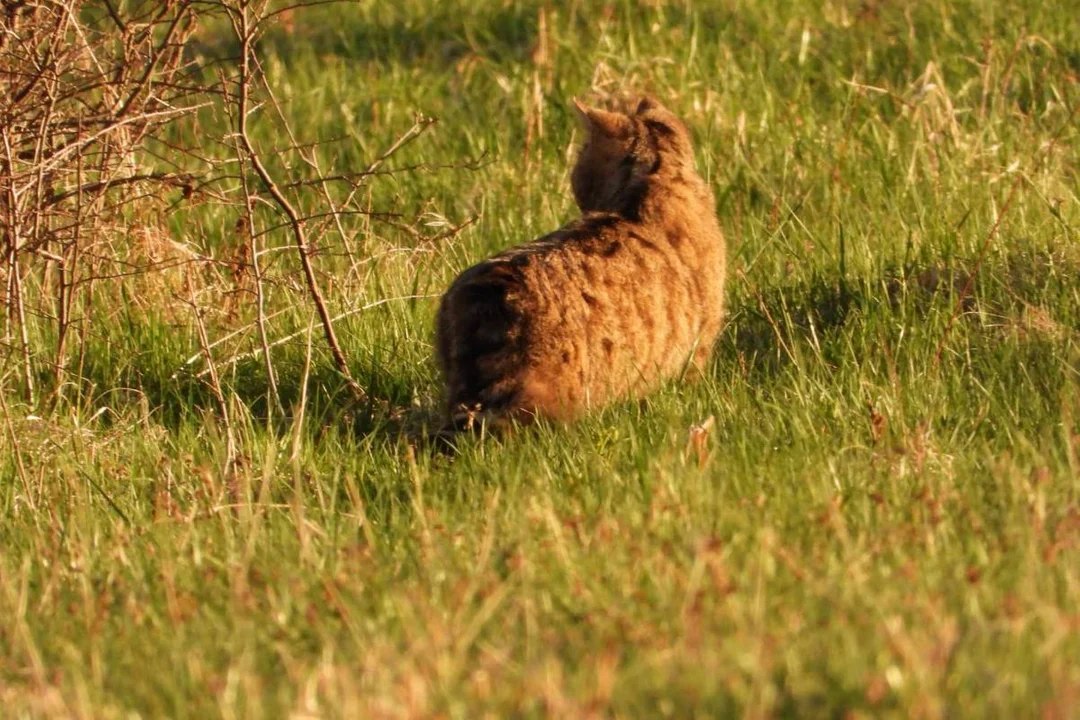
605, 308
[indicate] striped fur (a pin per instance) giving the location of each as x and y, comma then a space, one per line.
604, 308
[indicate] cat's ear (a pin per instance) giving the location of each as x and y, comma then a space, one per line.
602, 122
647, 103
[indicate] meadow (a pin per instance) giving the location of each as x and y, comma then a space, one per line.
870, 506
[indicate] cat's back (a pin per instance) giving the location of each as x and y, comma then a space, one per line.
610, 304
600, 307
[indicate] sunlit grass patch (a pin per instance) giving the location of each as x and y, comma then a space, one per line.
881, 516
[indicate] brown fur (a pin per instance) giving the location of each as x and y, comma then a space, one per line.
608, 306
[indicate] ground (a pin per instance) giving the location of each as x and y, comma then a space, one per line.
870, 504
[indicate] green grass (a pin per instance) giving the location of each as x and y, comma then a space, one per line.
866, 531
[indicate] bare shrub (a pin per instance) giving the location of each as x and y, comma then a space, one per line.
112, 118
83, 87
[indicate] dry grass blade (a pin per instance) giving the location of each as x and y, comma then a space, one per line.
1014, 189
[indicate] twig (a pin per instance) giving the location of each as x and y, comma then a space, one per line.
453, 230
19, 307
421, 125
256, 266
109, 500
229, 362
20, 468
215, 382
245, 34
16, 305
301, 407
96, 187
115, 15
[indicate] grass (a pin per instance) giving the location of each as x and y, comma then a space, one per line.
864, 530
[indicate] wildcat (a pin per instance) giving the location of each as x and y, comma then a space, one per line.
604, 308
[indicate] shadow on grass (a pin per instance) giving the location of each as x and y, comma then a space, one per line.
764, 326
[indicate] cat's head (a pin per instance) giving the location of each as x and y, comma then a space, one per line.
624, 150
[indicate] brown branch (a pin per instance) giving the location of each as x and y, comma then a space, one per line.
257, 270
16, 305
155, 58
246, 35
96, 187
120, 24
